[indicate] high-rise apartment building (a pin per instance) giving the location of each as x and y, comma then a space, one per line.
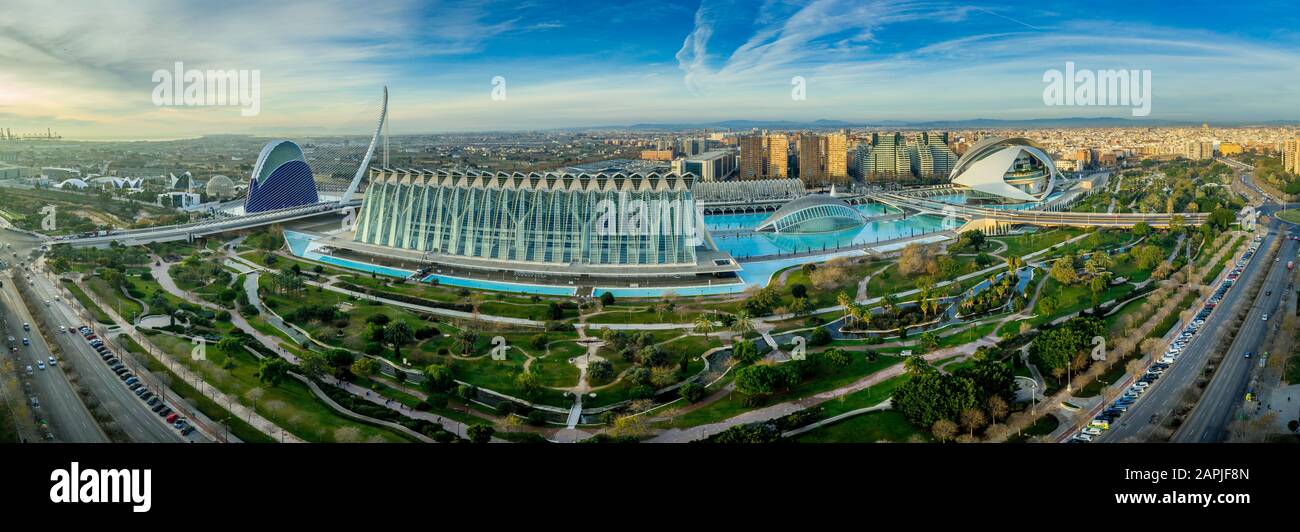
1198, 150
764, 157
887, 160
1291, 155
812, 159
778, 156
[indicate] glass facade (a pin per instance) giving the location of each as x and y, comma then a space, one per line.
536, 218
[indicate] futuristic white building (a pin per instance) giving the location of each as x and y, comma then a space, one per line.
812, 214
1006, 169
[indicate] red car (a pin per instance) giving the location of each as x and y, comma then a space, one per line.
172, 418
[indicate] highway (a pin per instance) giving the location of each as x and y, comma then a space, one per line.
1167, 392
1209, 420
132, 415
68, 419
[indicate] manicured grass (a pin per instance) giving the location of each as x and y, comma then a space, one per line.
290, 405
862, 398
114, 298
1021, 245
1043, 426
238, 427
98, 313
1290, 215
884, 426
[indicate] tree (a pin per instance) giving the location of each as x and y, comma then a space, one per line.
745, 352
759, 380
606, 299
800, 306
943, 430
1063, 270
998, 408
313, 364
528, 384
974, 239
1014, 263
744, 323
600, 370
972, 419
692, 392
398, 333
929, 340
704, 323
438, 378
230, 344
464, 341
365, 367
798, 290
480, 433
272, 371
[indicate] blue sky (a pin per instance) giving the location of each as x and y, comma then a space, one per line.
86, 69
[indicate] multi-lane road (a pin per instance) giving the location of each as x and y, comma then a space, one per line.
1226, 391
65, 417
69, 419
1208, 420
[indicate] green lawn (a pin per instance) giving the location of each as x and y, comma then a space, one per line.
1290, 215
1041, 427
114, 298
238, 427
884, 426
1021, 245
291, 404
98, 313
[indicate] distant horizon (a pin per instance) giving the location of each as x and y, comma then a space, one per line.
492, 65
716, 126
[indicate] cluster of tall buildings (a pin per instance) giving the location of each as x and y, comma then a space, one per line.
894, 157
823, 159
1199, 150
765, 156
820, 160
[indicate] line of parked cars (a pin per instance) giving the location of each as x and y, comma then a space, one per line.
133, 382
1134, 392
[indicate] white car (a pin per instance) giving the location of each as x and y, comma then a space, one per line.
53, 362
40, 364
1084, 436
1142, 385
1092, 431
1266, 317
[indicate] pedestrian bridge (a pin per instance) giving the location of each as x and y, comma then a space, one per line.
997, 220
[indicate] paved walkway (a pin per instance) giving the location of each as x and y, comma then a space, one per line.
886, 405
789, 407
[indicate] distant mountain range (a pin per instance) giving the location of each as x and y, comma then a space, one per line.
974, 123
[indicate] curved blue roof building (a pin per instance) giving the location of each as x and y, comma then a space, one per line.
281, 179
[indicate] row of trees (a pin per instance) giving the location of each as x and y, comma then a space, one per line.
972, 396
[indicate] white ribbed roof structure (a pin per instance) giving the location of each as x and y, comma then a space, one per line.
1009, 168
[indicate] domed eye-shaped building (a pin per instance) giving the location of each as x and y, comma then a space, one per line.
812, 214
281, 179
1006, 169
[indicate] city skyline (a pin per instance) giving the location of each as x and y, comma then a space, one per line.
598, 65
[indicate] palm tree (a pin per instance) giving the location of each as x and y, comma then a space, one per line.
1014, 263
744, 323
464, 341
398, 333
704, 324
845, 301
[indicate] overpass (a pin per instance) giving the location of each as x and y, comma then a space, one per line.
190, 231
994, 220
